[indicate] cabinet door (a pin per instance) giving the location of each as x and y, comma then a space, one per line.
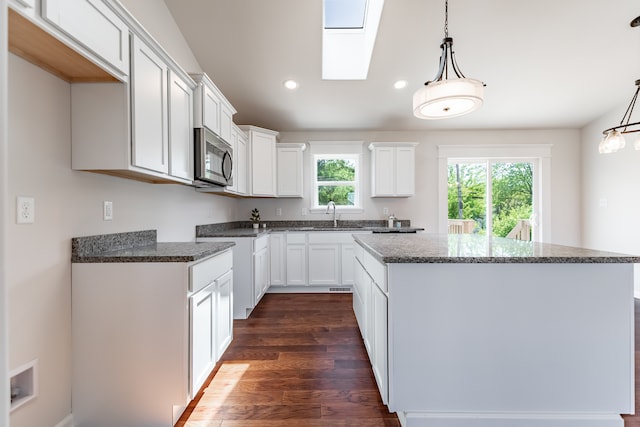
296, 264
211, 113
240, 164
226, 121
324, 264
379, 353
383, 172
94, 25
149, 108
234, 171
203, 356
263, 164
261, 274
289, 174
359, 298
347, 264
277, 259
224, 313
405, 171
180, 127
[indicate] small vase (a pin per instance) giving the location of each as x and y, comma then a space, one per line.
255, 225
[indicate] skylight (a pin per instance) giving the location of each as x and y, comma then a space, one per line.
344, 13
348, 36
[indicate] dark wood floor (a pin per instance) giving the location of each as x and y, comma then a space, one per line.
297, 361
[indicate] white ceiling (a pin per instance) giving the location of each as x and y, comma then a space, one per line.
546, 63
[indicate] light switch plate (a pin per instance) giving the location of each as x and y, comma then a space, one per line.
107, 211
25, 210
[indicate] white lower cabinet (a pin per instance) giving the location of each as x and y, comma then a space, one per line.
261, 278
312, 259
296, 259
145, 337
370, 301
251, 264
277, 253
324, 259
203, 346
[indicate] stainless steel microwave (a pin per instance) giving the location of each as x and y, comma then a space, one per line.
213, 159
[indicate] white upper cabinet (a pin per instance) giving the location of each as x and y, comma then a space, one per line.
150, 138
261, 161
211, 109
239, 160
142, 129
290, 169
392, 169
180, 126
95, 26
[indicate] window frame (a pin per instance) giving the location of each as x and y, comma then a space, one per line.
339, 150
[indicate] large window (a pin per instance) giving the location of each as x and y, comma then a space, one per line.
491, 197
501, 190
336, 176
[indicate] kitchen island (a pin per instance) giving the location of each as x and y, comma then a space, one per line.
470, 331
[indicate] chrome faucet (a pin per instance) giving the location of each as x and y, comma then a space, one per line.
329, 205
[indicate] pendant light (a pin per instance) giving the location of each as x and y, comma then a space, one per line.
613, 139
447, 96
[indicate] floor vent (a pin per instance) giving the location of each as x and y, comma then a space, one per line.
340, 289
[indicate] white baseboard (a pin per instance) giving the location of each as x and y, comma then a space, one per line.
422, 419
302, 289
66, 422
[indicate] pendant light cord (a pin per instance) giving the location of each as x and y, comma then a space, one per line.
446, 18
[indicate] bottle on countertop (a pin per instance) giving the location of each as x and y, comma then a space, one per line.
391, 220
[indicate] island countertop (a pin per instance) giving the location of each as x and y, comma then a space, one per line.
467, 248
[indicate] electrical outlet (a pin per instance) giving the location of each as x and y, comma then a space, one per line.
107, 211
25, 210
385, 211
303, 211
278, 211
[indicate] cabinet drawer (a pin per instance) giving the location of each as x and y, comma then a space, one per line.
376, 270
296, 238
210, 269
330, 237
260, 243
359, 253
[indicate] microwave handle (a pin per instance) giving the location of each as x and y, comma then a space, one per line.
225, 173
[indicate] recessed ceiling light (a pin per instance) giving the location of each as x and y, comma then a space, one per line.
291, 84
400, 84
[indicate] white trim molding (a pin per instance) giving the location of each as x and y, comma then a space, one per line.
4, 194
66, 422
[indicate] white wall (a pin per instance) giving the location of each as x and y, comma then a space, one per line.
422, 209
157, 20
611, 199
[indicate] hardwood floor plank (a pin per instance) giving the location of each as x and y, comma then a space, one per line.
256, 412
332, 396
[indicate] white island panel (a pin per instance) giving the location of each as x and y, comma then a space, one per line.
511, 344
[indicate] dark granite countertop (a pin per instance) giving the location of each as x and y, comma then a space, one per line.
244, 229
468, 248
140, 246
